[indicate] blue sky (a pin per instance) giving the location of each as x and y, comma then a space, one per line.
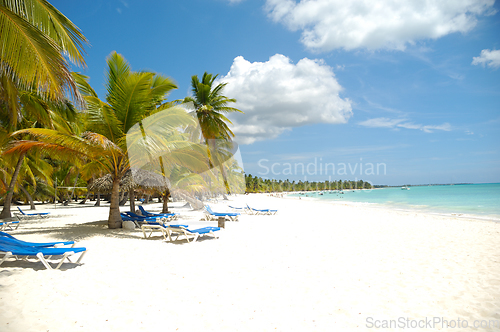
411, 87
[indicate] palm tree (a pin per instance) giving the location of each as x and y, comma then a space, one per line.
210, 106
119, 126
132, 96
154, 146
34, 37
36, 112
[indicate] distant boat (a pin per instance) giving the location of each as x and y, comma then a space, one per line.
405, 188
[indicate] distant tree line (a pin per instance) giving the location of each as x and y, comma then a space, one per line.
256, 184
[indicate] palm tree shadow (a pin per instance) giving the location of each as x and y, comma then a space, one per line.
80, 232
181, 241
34, 265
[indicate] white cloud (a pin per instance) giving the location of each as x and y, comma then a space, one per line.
381, 123
278, 95
403, 123
374, 24
488, 58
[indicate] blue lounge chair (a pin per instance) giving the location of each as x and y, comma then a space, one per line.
261, 211
4, 237
30, 215
8, 225
158, 226
136, 218
180, 230
242, 209
151, 214
42, 254
211, 215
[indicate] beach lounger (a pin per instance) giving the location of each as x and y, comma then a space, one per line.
239, 209
180, 230
8, 225
33, 215
151, 214
211, 215
42, 254
136, 218
261, 211
5, 237
155, 226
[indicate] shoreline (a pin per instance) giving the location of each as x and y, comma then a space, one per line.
425, 209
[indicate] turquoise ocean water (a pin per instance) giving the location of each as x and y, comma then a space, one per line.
475, 200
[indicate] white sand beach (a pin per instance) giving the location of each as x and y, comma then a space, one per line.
314, 266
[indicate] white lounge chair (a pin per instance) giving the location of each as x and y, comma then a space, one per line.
211, 215
180, 230
36, 215
7, 225
239, 209
261, 211
155, 226
12, 248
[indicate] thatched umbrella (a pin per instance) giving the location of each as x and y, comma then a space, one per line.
134, 178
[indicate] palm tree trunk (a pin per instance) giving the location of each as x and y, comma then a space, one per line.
10, 191
166, 195
86, 197
132, 200
74, 185
28, 196
115, 219
224, 178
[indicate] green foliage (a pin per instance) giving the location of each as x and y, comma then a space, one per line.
256, 184
34, 39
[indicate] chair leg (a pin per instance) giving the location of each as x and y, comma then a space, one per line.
81, 256
196, 236
66, 255
5, 256
44, 262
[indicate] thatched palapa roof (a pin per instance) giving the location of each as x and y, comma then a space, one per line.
133, 178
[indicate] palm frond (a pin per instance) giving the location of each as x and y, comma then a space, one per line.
9, 95
102, 119
57, 27
51, 141
83, 85
30, 58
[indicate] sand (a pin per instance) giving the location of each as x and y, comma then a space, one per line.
314, 266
